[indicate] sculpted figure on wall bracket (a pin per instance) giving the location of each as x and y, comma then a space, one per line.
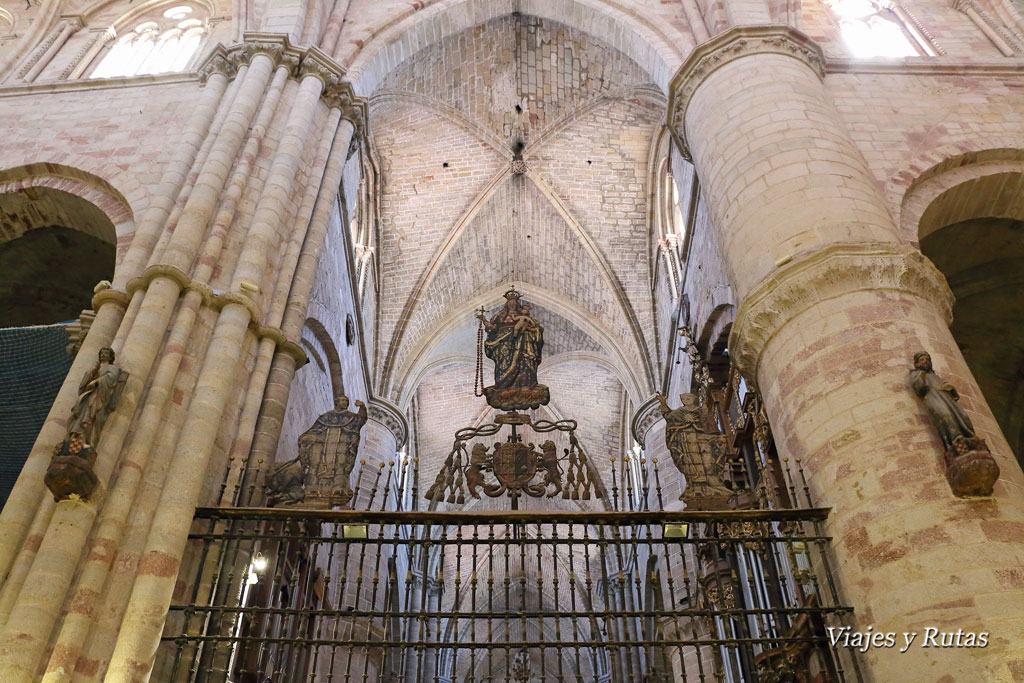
970, 468
697, 453
320, 476
70, 473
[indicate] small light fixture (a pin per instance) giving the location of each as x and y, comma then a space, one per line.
259, 563
679, 530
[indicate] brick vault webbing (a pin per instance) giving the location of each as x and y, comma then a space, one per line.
33, 364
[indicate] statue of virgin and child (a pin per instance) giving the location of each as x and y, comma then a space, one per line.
515, 342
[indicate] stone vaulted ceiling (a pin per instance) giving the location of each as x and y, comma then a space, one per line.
458, 227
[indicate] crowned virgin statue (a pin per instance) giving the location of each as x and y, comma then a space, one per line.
515, 342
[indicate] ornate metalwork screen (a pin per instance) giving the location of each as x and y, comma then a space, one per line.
513, 596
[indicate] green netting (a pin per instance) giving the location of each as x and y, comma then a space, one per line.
33, 364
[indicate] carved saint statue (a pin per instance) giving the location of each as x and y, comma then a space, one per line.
970, 468
70, 473
940, 398
515, 342
320, 475
98, 394
696, 453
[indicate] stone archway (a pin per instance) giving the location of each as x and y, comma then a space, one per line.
974, 233
54, 248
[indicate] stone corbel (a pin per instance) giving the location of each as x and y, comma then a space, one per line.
645, 417
391, 418
827, 273
737, 42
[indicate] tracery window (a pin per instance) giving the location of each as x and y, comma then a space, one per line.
165, 44
878, 28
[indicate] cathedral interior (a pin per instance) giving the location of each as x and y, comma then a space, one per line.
472, 341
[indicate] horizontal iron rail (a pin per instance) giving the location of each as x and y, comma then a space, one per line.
518, 517
485, 540
513, 614
498, 645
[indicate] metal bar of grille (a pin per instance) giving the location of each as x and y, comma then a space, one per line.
347, 596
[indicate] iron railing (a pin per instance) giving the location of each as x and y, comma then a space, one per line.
295, 596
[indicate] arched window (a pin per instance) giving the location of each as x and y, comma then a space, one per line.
878, 28
164, 44
674, 217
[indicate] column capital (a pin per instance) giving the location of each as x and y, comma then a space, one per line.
217, 62
390, 417
827, 273
645, 417
338, 92
228, 60
737, 42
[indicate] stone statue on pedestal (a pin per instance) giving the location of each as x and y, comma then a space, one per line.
515, 342
970, 468
696, 453
70, 473
319, 477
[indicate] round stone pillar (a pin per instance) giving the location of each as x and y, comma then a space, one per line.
384, 434
833, 307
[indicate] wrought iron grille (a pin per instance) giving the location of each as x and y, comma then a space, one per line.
294, 596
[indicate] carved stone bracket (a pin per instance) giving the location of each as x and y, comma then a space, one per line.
827, 273
645, 417
737, 42
391, 418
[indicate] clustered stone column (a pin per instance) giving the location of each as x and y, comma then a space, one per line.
161, 309
833, 309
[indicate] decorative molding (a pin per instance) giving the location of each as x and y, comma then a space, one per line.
68, 25
338, 92
217, 62
645, 417
984, 18
98, 35
284, 345
290, 348
242, 299
386, 414
276, 46
827, 273
737, 42
115, 83
104, 294
158, 270
924, 66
